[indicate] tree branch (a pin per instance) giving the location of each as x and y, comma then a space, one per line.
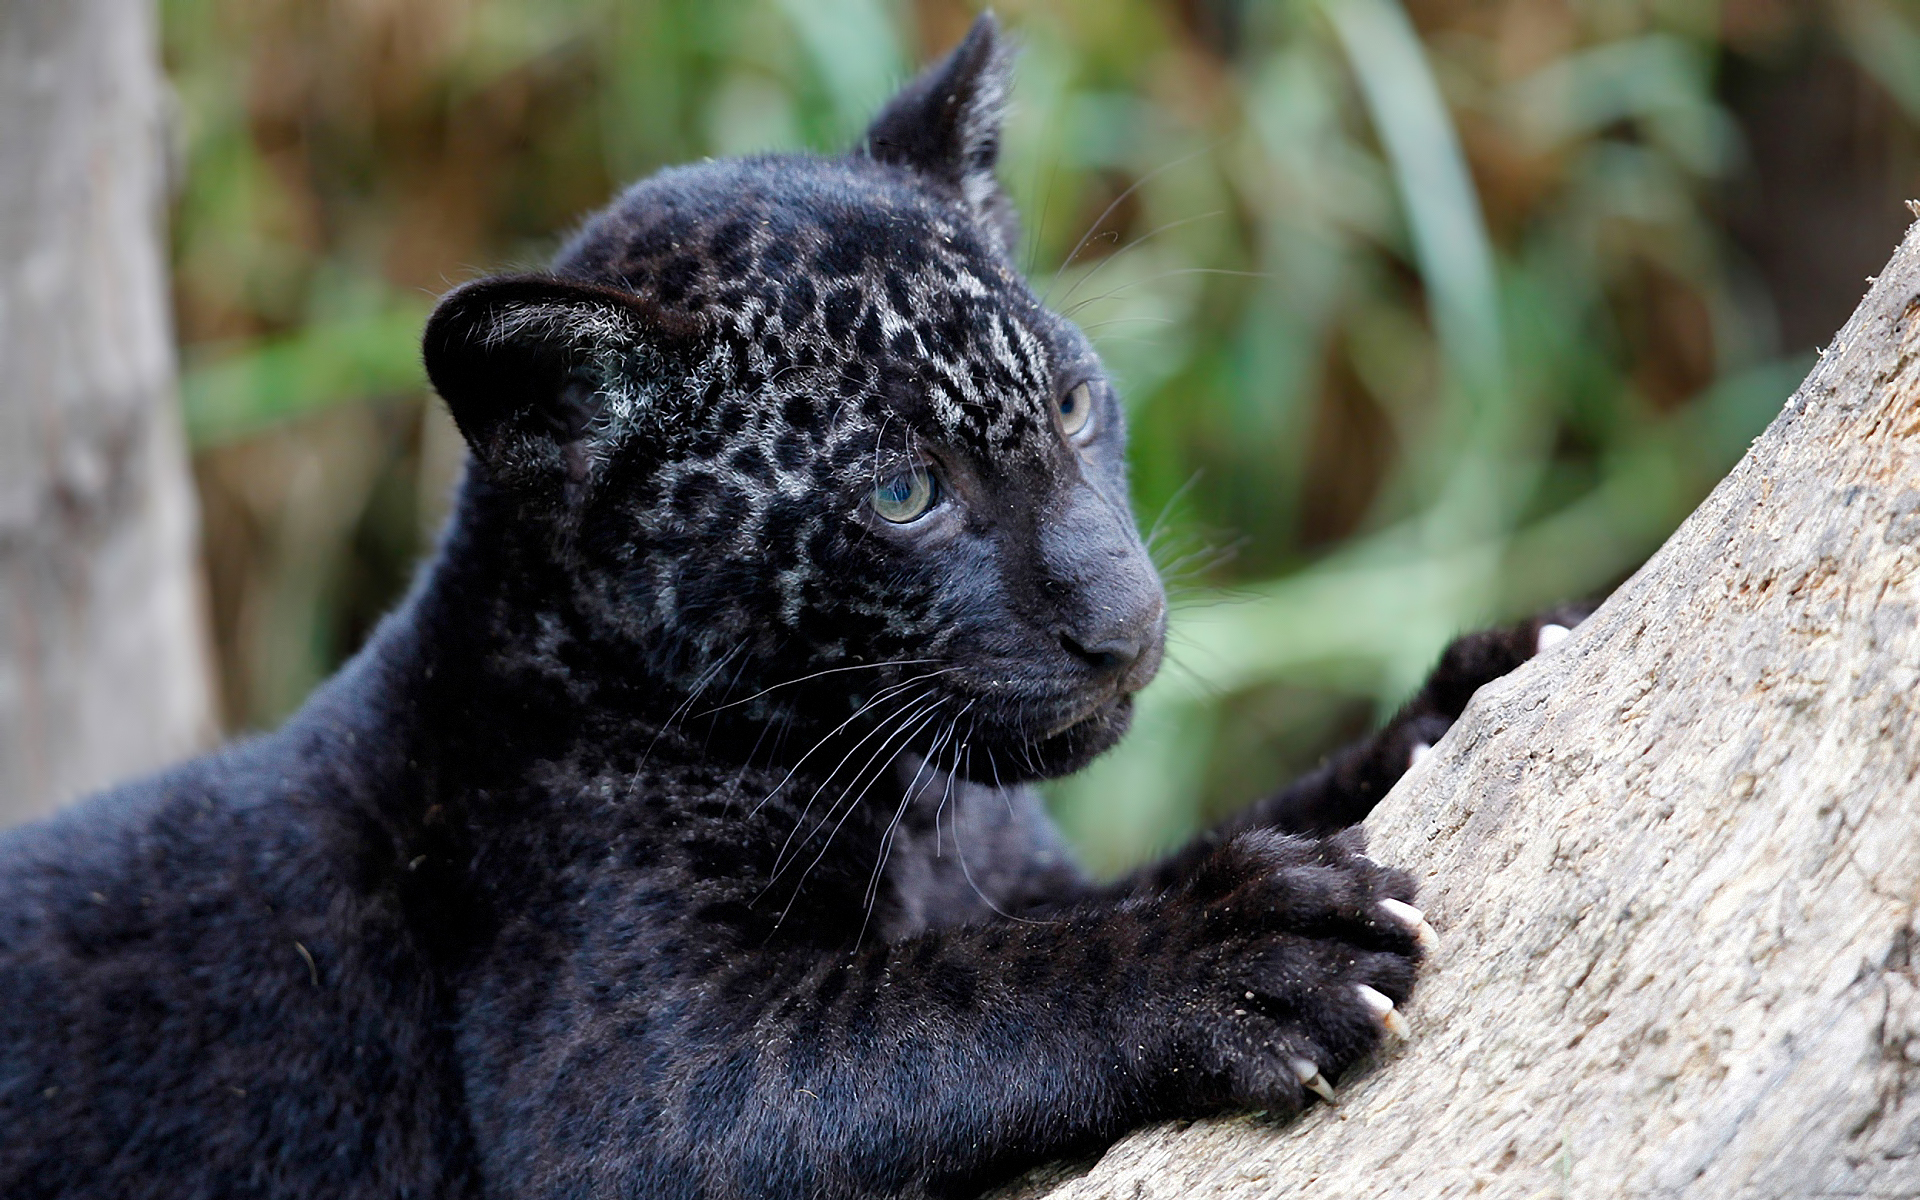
1674, 863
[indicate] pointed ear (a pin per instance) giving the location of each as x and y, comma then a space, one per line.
946, 124
545, 376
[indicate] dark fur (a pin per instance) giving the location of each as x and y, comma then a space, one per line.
668, 841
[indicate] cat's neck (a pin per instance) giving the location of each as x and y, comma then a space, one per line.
487, 670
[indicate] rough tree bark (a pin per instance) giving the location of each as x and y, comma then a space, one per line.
1674, 863
103, 661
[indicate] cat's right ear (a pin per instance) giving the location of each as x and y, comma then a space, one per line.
545, 376
946, 124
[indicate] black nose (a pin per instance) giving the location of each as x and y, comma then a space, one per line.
1113, 653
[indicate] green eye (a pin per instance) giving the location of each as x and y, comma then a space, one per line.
1076, 409
906, 497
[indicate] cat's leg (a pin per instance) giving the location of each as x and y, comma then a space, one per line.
1343, 790
948, 1060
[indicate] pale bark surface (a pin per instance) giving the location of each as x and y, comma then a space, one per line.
1674, 863
103, 660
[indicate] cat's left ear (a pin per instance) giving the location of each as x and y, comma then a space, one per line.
946, 124
547, 376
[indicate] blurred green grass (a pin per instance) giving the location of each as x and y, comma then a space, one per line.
1426, 316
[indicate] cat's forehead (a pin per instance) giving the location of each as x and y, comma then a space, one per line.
846, 281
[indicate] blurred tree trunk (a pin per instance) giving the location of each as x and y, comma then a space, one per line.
103, 661
1674, 863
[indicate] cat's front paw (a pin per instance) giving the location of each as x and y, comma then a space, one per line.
1298, 952
1470, 662
1474, 660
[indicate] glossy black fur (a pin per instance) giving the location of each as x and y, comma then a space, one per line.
669, 841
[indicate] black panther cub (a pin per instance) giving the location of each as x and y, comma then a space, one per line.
669, 840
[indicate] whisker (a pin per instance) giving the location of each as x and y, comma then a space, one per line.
1197, 562
1088, 329
1159, 522
1156, 277
879, 697
783, 721
1040, 228
906, 733
947, 792
1150, 234
897, 662
885, 852
1117, 201
993, 765
800, 821
700, 685
733, 684
780, 858
906, 799
966, 872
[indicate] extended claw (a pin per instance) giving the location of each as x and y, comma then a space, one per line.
1311, 1078
1414, 920
1551, 635
1383, 1008
1419, 755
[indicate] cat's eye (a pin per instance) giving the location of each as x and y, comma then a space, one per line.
907, 496
1076, 409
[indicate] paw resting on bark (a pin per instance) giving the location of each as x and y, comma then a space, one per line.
1296, 953
1469, 663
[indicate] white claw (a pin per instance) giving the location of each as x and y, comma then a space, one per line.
1420, 752
1311, 1078
1415, 920
1551, 636
1383, 1008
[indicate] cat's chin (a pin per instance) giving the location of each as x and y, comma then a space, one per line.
1060, 752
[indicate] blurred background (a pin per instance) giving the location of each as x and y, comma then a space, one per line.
1427, 313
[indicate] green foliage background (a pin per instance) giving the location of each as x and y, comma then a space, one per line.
1428, 313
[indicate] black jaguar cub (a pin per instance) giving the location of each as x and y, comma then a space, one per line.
669, 841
